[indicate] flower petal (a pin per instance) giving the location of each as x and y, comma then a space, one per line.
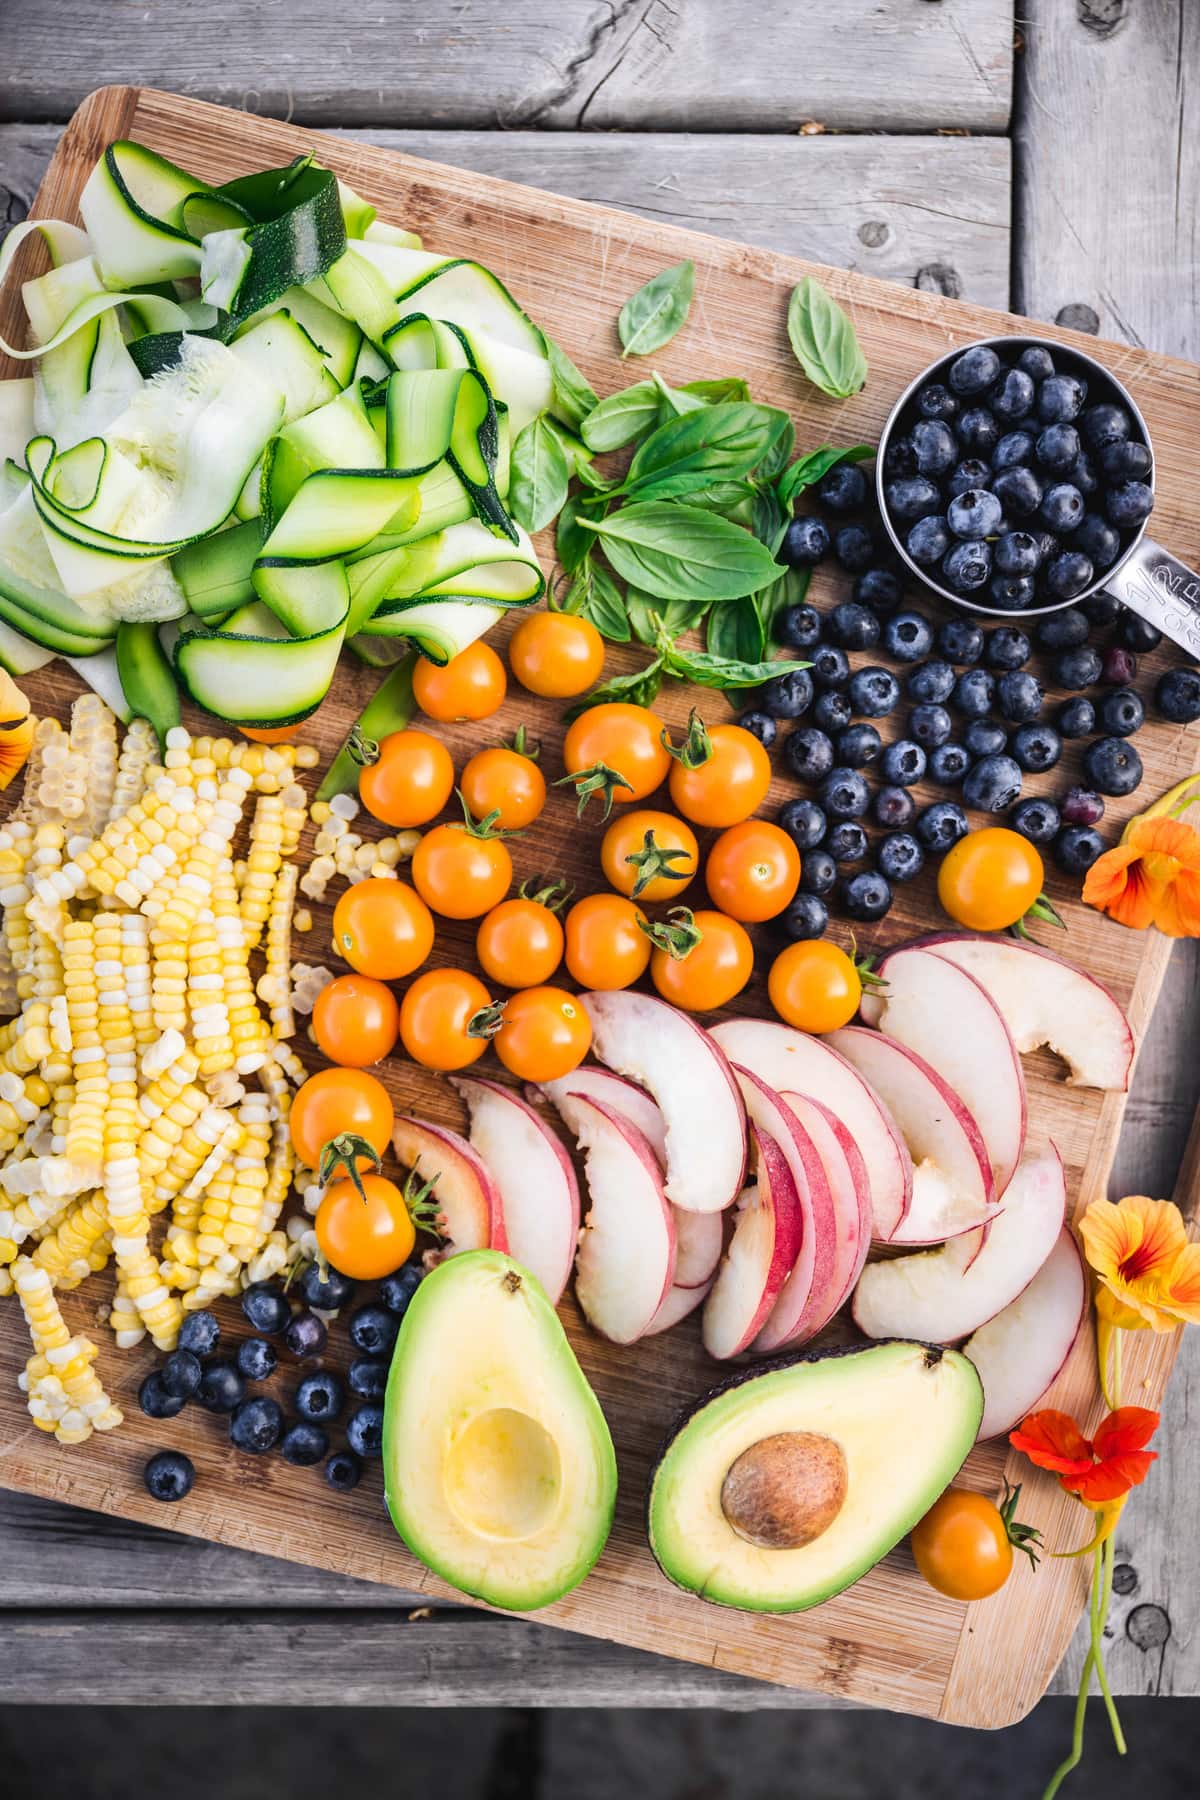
1116, 884
1129, 1428
1181, 1289
1110, 1479
1052, 1440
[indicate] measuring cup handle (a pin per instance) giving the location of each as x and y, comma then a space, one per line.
1162, 590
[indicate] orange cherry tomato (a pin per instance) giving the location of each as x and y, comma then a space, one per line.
365, 1235
470, 686
520, 942
506, 781
382, 928
462, 870
410, 780
962, 1546
556, 654
544, 1033
712, 971
720, 775
356, 1020
814, 986
435, 1015
615, 740
340, 1103
271, 734
990, 879
606, 947
649, 855
753, 871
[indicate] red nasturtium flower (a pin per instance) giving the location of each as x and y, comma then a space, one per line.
1096, 1470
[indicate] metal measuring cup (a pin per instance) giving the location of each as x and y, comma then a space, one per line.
1145, 577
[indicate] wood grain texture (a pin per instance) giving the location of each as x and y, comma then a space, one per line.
900, 65
932, 212
889, 1640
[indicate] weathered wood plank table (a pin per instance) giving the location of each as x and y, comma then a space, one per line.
1050, 164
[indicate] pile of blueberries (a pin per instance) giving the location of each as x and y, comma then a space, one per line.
975, 723
257, 1422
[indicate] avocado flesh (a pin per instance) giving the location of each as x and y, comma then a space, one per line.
498, 1463
904, 1416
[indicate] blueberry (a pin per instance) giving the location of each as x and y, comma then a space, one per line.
941, 825
1177, 696
830, 666
975, 370
199, 1333
847, 842
799, 627
1012, 593
831, 710
1036, 747
304, 1444
1076, 718
1126, 461
1078, 668
928, 540
935, 445
1017, 553
1105, 423
1100, 544
373, 1330
364, 1430
1019, 696
1082, 472
807, 917
818, 873
1012, 396
881, 589
974, 693
930, 682
1076, 848
306, 1335
857, 746
1128, 504
1063, 630
900, 459
804, 823
788, 696
1035, 819
961, 641
325, 1288
900, 857
973, 473
978, 432
975, 514
1062, 507
908, 637
845, 794
1121, 713
1066, 576
808, 753
967, 566
984, 737
156, 1400
852, 627
843, 489
1138, 633
993, 784
169, 1475
912, 498
805, 543
1119, 667
874, 692
948, 763
1057, 447
854, 548
180, 1374
256, 1426
1060, 399
368, 1378
1048, 544
893, 807
760, 725
903, 763
1037, 361
1082, 806
256, 1359
266, 1308
1014, 449
321, 1397
343, 1471
934, 401
930, 726
1112, 766
221, 1388
867, 896
1007, 648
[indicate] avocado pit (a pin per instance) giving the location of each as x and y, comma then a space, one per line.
784, 1491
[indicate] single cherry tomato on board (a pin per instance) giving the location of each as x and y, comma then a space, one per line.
964, 1544
606, 945
470, 686
556, 654
462, 870
341, 1118
405, 779
382, 928
615, 752
649, 855
436, 1018
544, 1033
366, 1233
356, 1020
701, 960
815, 986
990, 879
753, 871
506, 781
520, 942
719, 774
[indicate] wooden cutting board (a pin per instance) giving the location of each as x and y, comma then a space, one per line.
890, 1640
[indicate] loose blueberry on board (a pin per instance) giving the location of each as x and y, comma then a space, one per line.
948, 763
1036, 747
900, 857
975, 370
974, 693
1076, 848
845, 794
972, 472
1177, 696
894, 807
852, 627
967, 566
935, 401
929, 539
993, 784
266, 1308
843, 489
984, 737
1036, 361
867, 897
880, 589
156, 1400
1101, 545
1065, 630
935, 445
806, 917
1079, 668
874, 692
903, 763
1007, 647
831, 710
368, 1378
343, 1471
1076, 718
803, 821
221, 1387
256, 1426
396, 1291
304, 1444
1121, 713
256, 1359
1112, 766
805, 543
169, 1475
1128, 504
908, 637
1067, 575
1019, 696
830, 666
818, 872
1019, 491
364, 1430
808, 753
940, 826
854, 548
1119, 667
1082, 806
373, 1330
1137, 633
306, 1335
1014, 449
1036, 819
799, 627
931, 683
930, 726
787, 696
1060, 399
321, 1397
760, 725
181, 1373
325, 1288
199, 1333
847, 842
960, 641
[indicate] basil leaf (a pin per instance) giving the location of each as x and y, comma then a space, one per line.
639, 688
574, 398
824, 341
789, 590
775, 461
726, 387
807, 470
717, 442
648, 615
732, 499
651, 317
681, 553
594, 595
572, 543
735, 631
721, 671
539, 478
768, 520
675, 401
622, 417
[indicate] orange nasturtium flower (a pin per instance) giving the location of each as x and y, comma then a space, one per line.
1099, 1470
1149, 1273
1152, 877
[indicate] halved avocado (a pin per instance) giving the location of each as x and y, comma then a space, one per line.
788, 1482
498, 1463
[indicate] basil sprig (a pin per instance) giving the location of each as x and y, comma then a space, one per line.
824, 341
651, 317
681, 553
671, 660
689, 452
